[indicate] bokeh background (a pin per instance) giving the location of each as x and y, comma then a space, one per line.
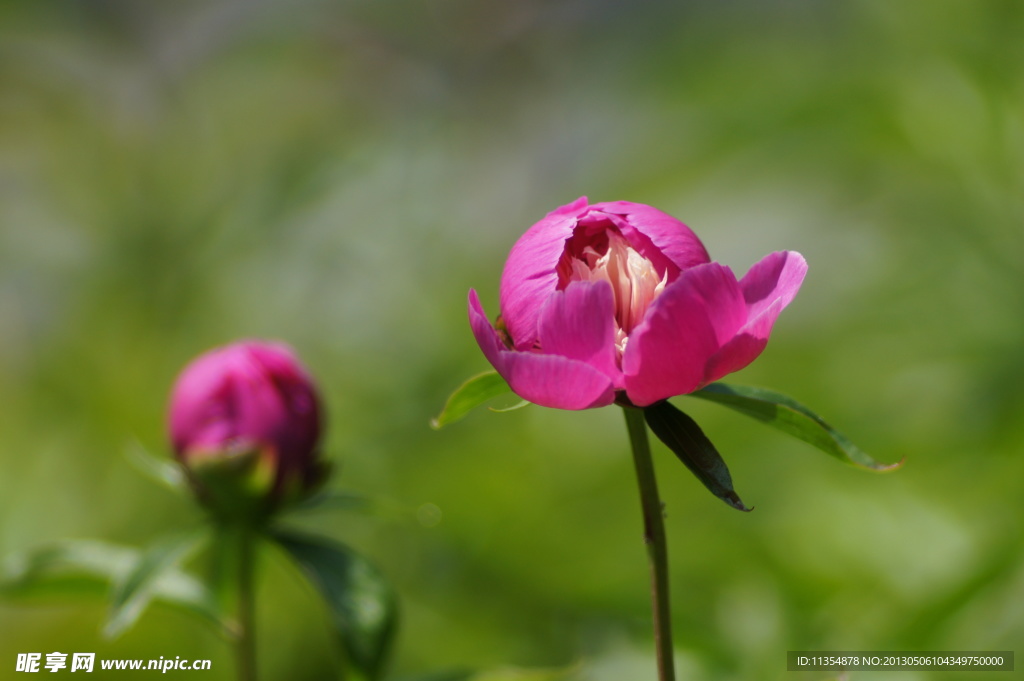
176, 175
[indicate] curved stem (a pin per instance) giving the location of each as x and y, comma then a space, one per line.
246, 646
654, 538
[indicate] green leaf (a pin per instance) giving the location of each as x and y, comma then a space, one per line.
361, 602
236, 483
164, 471
684, 437
789, 416
134, 590
469, 396
63, 569
87, 568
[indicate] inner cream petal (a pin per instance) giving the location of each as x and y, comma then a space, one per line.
634, 280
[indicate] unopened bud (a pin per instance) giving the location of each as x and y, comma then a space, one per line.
245, 422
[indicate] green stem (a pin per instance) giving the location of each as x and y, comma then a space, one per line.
654, 538
246, 646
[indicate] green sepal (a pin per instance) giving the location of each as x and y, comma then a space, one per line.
361, 603
683, 436
296, 490
236, 485
470, 395
786, 414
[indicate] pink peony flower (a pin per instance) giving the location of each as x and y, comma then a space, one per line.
620, 300
251, 400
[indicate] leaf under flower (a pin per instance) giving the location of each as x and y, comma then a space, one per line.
786, 414
683, 436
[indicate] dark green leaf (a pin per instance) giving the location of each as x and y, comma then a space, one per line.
361, 603
469, 396
789, 416
155, 574
684, 437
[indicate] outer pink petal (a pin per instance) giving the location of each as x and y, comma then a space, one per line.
579, 323
667, 353
554, 381
742, 349
667, 234
777, 276
530, 273
547, 380
768, 287
486, 337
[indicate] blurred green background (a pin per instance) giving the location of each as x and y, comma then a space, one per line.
176, 175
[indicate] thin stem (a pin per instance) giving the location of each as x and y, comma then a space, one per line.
246, 646
654, 538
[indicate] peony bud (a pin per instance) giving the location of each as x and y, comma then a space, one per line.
245, 423
620, 302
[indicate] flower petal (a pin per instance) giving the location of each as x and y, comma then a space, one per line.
547, 380
579, 323
554, 381
768, 287
530, 274
668, 235
486, 337
685, 326
777, 276
743, 348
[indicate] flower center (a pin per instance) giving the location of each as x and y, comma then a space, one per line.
634, 279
